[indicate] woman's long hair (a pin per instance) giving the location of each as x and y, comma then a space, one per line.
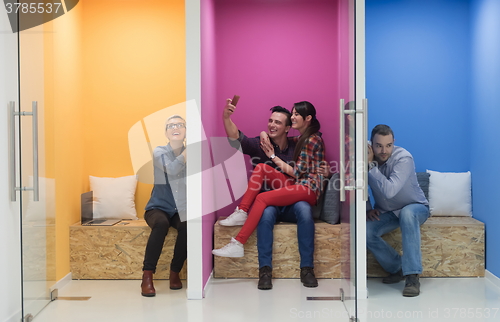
305, 108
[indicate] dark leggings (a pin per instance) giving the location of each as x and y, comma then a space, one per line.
159, 222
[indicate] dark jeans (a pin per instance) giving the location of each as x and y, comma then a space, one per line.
160, 222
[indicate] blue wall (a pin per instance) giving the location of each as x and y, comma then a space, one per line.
418, 77
433, 75
485, 150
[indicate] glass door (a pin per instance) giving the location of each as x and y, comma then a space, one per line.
346, 155
348, 206
10, 271
352, 154
37, 188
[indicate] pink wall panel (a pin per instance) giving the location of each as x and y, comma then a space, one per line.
278, 53
270, 53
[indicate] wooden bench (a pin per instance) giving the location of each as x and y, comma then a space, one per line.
286, 257
451, 246
116, 252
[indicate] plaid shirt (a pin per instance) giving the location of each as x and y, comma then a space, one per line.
310, 158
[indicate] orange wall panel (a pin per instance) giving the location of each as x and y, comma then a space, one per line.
134, 59
108, 64
65, 151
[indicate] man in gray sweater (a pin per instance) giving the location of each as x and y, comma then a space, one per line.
399, 202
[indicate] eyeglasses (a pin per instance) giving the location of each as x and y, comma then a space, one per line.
173, 126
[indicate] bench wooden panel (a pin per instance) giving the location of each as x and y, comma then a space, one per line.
286, 259
116, 252
451, 246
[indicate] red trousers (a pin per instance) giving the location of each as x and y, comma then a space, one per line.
285, 192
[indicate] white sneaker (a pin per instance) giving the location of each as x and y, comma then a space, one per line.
233, 249
237, 218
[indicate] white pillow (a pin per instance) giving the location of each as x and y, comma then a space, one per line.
450, 193
114, 197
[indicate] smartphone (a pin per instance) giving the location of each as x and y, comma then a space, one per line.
235, 100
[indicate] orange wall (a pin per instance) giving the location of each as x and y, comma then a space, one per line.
64, 126
134, 58
108, 64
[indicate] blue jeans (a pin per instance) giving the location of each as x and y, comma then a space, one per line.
410, 219
299, 213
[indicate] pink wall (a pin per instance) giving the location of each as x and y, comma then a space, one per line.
270, 53
278, 53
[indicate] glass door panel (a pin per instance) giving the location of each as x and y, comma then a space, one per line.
37, 196
347, 153
348, 207
10, 271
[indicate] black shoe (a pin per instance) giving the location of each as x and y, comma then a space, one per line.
265, 278
393, 278
412, 286
307, 277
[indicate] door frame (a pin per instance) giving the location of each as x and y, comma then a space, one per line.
193, 92
10, 239
361, 158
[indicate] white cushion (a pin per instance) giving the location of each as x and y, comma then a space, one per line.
450, 193
114, 197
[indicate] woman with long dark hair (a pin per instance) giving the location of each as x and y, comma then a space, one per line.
298, 182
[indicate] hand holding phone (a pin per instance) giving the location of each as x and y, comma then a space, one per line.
235, 100
230, 106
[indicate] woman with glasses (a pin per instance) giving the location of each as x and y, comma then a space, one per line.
301, 182
167, 205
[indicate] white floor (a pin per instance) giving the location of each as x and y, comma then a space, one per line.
441, 299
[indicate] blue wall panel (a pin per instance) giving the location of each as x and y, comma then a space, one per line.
418, 77
433, 75
485, 148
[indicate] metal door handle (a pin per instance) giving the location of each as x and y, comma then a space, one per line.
365, 149
342, 151
14, 188
364, 113
36, 186
12, 150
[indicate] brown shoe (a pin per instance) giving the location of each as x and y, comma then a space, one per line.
175, 281
147, 287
